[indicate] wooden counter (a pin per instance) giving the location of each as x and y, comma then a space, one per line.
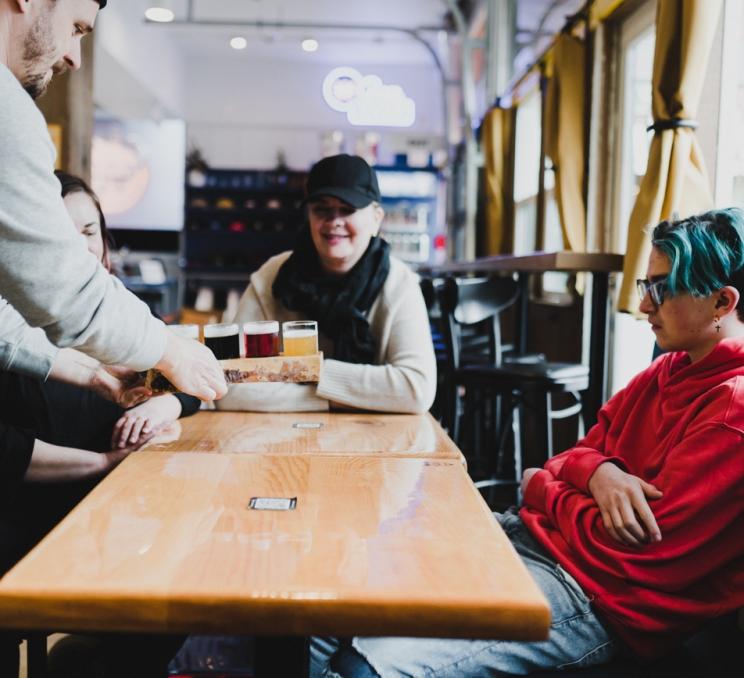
167, 543
534, 262
393, 435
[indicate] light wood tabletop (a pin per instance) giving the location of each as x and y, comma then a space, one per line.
394, 435
168, 543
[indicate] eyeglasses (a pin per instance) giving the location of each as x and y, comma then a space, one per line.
656, 289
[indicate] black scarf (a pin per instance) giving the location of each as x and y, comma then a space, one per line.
339, 304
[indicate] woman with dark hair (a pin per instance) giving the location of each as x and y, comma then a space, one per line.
85, 210
58, 440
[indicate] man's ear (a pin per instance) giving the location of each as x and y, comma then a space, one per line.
726, 300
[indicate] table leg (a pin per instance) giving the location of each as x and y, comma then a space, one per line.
36, 655
520, 340
286, 656
596, 394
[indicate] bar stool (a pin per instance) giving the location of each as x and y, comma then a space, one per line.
498, 389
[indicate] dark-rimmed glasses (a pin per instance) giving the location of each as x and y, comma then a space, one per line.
656, 289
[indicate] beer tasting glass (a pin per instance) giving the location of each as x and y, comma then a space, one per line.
223, 340
185, 331
300, 337
261, 338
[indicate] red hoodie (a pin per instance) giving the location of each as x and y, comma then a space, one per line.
681, 427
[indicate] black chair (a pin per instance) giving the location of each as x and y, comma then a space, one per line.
497, 384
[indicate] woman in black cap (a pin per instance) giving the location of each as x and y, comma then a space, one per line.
372, 320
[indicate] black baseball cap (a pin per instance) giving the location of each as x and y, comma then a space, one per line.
346, 177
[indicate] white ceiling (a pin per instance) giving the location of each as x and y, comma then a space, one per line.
537, 21
270, 43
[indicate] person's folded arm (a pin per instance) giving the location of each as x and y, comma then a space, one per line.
577, 464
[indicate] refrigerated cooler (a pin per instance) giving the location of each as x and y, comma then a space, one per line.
414, 204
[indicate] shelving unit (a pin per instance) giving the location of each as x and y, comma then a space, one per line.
234, 221
413, 203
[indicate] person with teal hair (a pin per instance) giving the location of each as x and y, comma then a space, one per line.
635, 533
705, 252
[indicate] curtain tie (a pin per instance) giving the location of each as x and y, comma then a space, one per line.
674, 123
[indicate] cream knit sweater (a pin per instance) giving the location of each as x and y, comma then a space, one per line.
403, 378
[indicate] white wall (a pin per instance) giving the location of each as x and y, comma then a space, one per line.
138, 68
240, 113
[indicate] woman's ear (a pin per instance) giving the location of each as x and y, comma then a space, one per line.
727, 299
379, 216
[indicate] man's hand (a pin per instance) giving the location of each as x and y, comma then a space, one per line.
120, 385
192, 368
623, 501
526, 477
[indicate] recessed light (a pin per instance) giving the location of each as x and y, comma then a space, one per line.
162, 15
310, 45
238, 43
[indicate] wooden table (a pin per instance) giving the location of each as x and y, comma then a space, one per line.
168, 543
599, 265
391, 435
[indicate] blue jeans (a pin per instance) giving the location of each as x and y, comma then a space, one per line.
577, 636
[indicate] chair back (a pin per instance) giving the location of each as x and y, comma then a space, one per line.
470, 317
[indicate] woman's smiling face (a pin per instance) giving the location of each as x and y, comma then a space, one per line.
341, 233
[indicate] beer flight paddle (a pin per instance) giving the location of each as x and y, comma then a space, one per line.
300, 363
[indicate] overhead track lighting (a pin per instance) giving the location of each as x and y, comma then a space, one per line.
161, 13
310, 45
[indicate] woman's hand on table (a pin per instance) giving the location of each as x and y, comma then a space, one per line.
144, 421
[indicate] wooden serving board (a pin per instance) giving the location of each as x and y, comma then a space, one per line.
289, 369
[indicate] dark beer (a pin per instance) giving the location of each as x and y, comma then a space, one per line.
223, 340
261, 338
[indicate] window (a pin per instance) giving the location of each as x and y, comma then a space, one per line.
527, 172
730, 157
633, 340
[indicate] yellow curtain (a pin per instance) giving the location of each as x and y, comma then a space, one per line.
498, 149
676, 180
602, 10
565, 135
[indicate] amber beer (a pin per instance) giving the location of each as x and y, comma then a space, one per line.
223, 340
300, 337
261, 338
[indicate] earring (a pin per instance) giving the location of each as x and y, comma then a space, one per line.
717, 322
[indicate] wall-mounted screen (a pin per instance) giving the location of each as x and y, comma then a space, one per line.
137, 169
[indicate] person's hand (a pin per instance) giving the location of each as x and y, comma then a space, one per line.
623, 502
120, 385
111, 459
192, 368
145, 420
526, 477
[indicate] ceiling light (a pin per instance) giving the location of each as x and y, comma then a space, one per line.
310, 45
160, 14
238, 43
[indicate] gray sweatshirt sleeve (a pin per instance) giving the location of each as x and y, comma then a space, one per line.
22, 348
46, 272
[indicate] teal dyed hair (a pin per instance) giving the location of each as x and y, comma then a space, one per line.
706, 253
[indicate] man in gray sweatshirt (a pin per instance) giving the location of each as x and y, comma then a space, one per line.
46, 272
